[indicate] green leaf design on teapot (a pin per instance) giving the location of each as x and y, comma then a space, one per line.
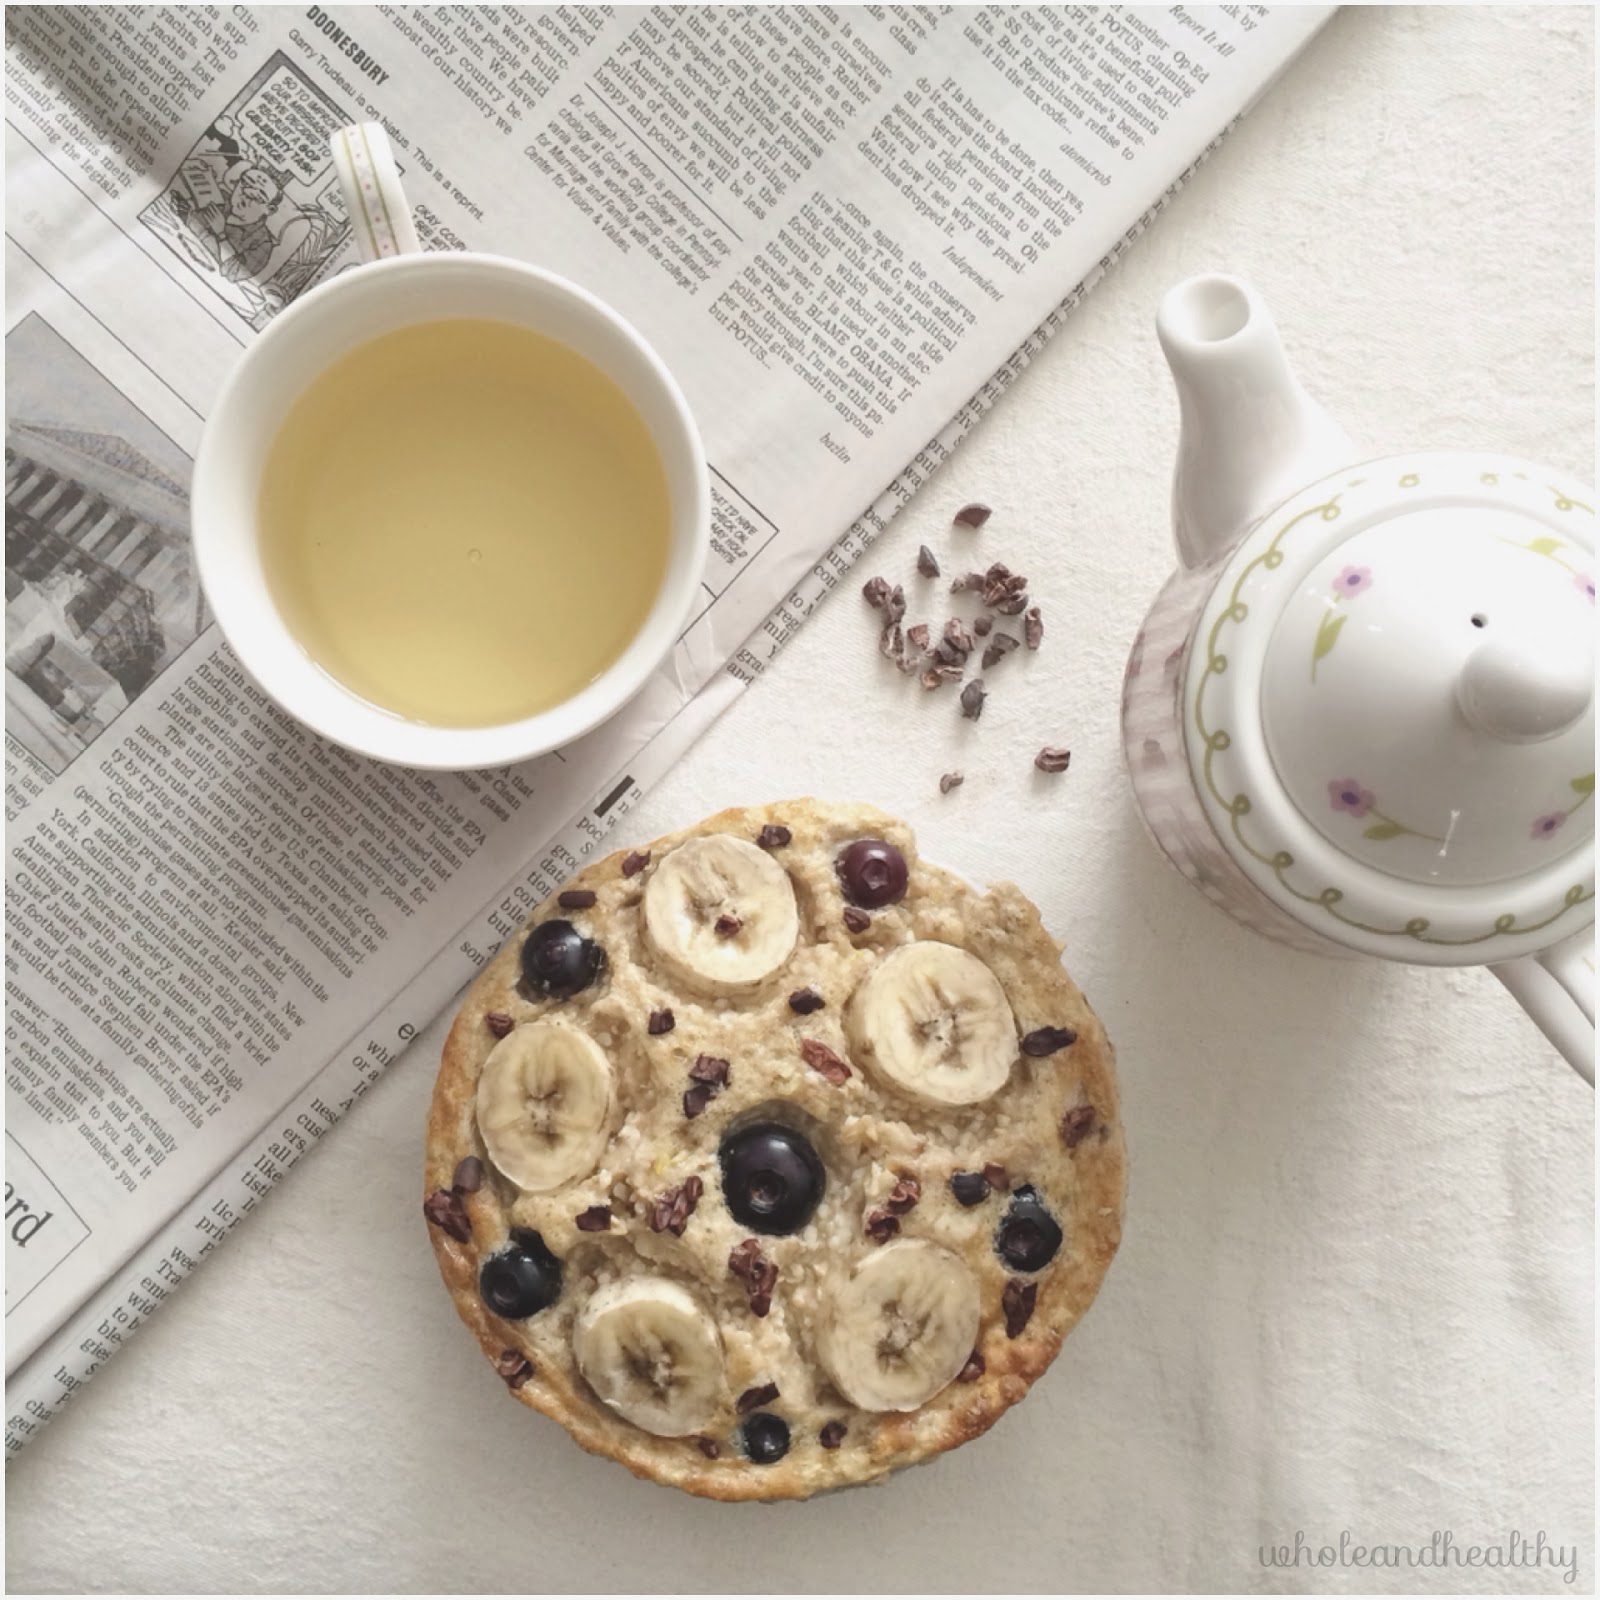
1350, 582
1347, 795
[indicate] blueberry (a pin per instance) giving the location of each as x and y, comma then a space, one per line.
522, 1279
873, 873
771, 1177
765, 1438
1028, 1236
969, 1188
557, 960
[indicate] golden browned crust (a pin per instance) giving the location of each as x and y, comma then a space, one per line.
1083, 1177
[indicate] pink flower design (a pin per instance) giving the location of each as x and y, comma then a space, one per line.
1348, 795
1546, 825
1353, 580
1583, 582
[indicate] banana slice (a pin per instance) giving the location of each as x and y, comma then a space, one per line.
544, 1105
652, 1353
934, 1021
721, 914
900, 1326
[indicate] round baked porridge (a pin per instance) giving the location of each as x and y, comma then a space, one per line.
770, 1158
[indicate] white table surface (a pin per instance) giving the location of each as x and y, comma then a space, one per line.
1356, 1285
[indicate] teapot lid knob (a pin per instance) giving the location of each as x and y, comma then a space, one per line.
1523, 690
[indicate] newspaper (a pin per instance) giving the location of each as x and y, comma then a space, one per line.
845, 229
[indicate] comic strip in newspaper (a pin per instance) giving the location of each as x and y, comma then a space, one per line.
254, 208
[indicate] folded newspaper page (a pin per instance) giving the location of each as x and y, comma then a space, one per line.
842, 227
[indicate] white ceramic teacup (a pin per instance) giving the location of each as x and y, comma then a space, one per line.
399, 285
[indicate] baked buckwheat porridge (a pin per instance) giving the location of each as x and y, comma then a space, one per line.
770, 1158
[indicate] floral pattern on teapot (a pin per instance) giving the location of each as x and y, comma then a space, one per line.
1354, 811
1350, 582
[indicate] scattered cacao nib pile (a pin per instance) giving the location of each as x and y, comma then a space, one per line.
937, 654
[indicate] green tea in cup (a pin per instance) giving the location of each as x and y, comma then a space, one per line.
464, 522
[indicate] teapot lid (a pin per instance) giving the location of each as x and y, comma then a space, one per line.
1390, 707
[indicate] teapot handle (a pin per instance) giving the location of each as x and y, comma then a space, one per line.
1556, 988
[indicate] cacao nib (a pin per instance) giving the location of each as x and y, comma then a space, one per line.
1017, 1302
882, 1225
1046, 1041
758, 1274
514, 1367
1076, 1125
753, 1399
447, 1211
672, 1210
709, 1069
818, 1056
997, 650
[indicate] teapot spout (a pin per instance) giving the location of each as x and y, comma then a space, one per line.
1250, 435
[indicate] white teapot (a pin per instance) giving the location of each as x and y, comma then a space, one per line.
1360, 717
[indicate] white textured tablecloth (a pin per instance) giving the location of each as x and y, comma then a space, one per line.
1356, 1287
